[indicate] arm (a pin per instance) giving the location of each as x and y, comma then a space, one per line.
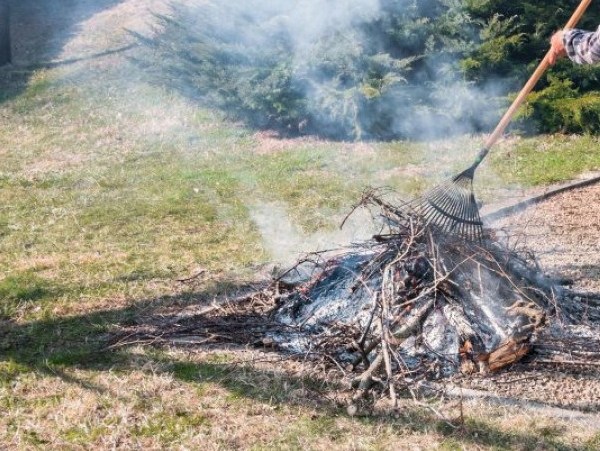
582, 47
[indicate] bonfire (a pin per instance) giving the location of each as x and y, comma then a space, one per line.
412, 305
416, 303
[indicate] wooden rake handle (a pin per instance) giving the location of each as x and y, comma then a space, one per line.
543, 66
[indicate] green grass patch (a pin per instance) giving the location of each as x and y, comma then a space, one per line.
42, 344
186, 371
24, 290
11, 370
308, 183
305, 430
150, 218
171, 427
84, 434
546, 160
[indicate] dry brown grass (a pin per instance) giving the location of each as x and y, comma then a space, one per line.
175, 398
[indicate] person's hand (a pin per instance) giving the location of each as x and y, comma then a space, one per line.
557, 49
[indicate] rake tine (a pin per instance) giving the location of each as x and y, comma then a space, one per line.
452, 208
462, 227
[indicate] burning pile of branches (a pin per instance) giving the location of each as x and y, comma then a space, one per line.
416, 304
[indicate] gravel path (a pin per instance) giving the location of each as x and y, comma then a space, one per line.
564, 234
563, 387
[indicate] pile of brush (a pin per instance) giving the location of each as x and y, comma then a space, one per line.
415, 303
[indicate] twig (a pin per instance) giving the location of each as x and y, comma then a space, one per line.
365, 380
192, 277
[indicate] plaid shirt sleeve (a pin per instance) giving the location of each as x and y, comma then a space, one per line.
583, 47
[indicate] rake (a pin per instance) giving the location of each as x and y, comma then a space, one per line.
451, 207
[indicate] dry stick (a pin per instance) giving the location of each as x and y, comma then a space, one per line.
182, 340
568, 362
423, 294
192, 277
434, 255
407, 303
408, 327
504, 275
330, 358
501, 273
388, 369
362, 203
367, 350
370, 197
409, 245
298, 263
385, 348
556, 349
151, 339
402, 364
360, 345
403, 332
365, 380
363, 338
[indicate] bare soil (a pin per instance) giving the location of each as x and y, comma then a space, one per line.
564, 234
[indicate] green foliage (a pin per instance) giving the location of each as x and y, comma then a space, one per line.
514, 37
387, 69
499, 39
561, 107
380, 74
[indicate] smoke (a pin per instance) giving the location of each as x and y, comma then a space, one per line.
362, 69
311, 20
341, 69
286, 243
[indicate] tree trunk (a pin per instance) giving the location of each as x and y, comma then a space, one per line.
5, 55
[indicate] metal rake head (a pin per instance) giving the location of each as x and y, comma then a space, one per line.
451, 207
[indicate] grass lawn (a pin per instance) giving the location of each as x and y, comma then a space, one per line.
112, 187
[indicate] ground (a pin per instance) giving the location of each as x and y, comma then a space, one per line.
564, 233
113, 187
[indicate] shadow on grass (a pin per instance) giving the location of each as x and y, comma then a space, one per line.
39, 31
51, 347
